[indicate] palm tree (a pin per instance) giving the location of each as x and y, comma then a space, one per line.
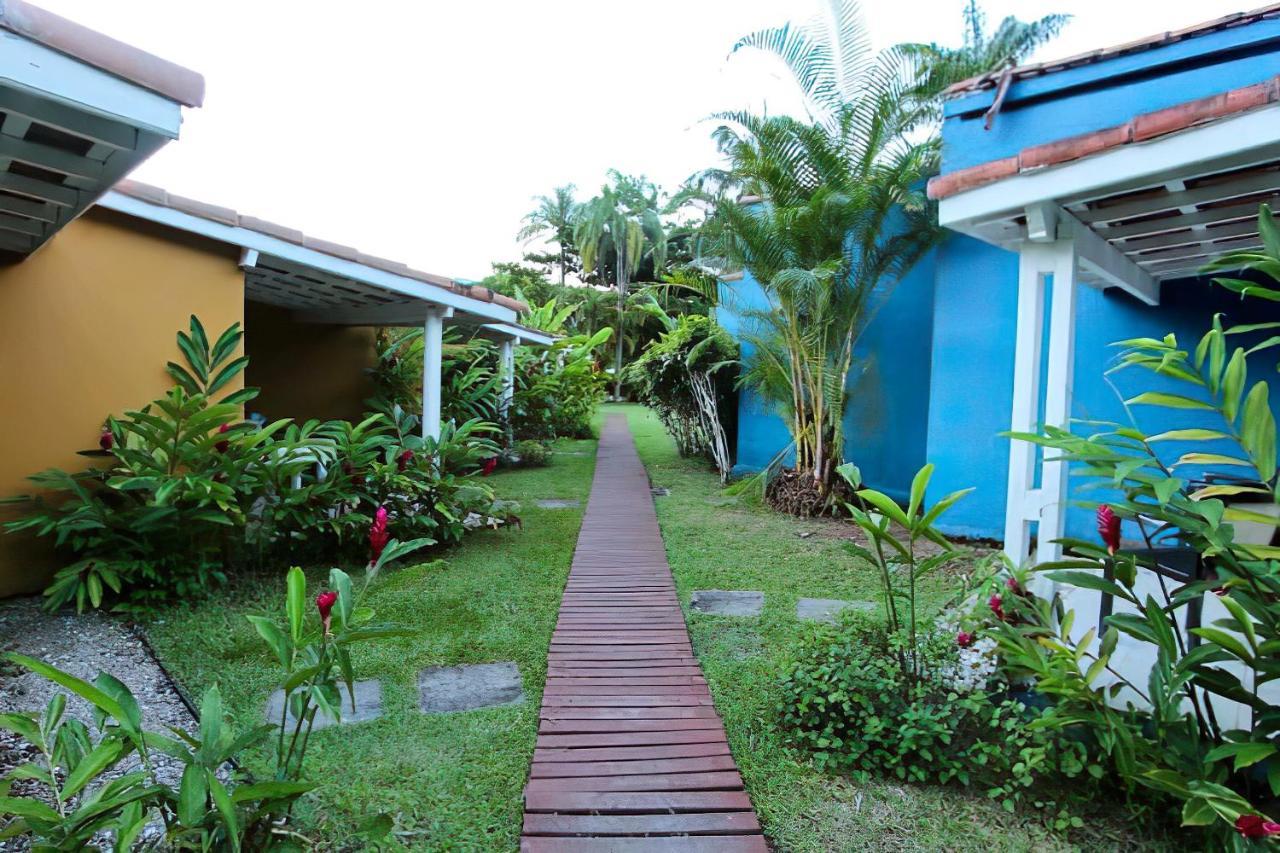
620, 222
841, 219
1009, 45
553, 220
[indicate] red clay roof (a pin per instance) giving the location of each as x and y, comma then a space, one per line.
227, 216
1236, 19
1138, 129
137, 66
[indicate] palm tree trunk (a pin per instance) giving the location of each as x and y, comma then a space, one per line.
563, 255
622, 299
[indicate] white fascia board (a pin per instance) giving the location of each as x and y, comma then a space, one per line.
273, 246
523, 334
42, 71
1253, 137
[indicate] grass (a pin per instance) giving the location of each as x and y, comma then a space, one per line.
715, 542
452, 781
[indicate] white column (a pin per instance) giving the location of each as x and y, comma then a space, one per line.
1047, 504
507, 370
432, 350
1057, 396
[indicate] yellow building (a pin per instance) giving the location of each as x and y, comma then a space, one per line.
97, 274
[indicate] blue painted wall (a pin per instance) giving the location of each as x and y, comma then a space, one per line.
886, 424
1107, 93
972, 377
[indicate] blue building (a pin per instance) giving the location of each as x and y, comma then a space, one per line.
1082, 197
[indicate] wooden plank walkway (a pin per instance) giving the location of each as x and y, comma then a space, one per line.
631, 755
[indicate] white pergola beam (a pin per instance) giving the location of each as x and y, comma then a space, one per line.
1108, 263
1154, 227
1186, 199
1243, 228
1203, 250
39, 190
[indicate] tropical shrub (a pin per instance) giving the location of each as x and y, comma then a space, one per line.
529, 454
469, 381
686, 377
1162, 732
847, 699
160, 518
79, 793
558, 388
186, 490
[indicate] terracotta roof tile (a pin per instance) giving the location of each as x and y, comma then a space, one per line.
115, 57
157, 196
1139, 129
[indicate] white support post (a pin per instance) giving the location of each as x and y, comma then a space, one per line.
1026, 399
1057, 398
1024, 503
507, 370
432, 353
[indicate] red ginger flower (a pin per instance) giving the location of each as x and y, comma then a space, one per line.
378, 535
996, 603
964, 639
403, 460
324, 603
1256, 826
106, 441
488, 466
224, 445
1109, 529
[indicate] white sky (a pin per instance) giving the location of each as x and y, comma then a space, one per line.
419, 130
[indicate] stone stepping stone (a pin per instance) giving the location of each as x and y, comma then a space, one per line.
445, 689
721, 602
368, 706
559, 503
827, 609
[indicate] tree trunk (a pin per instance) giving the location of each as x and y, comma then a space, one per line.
622, 299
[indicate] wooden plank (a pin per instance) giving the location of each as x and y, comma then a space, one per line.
630, 753
710, 823
702, 764
660, 801
727, 780
596, 726
691, 844
628, 739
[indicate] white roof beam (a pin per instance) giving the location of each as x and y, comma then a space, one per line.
1202, 250
1202, 234
39, 190
1268, 181
1245, 210
1108, 263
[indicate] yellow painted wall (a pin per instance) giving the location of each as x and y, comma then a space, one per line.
86, 326
306, 370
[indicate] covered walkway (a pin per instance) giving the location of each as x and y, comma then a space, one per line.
631, 755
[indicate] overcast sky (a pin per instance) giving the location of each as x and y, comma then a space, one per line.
419, 130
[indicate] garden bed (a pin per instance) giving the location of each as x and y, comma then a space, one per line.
713, 543
449, 780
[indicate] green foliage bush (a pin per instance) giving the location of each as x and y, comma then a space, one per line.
846, 698
662, 378
184, 490
530, 454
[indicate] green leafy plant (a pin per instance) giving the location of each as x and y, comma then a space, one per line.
893, 536
686, 377
1166, 735
847, 699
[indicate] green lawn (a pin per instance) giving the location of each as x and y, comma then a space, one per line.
452, 781
714, 542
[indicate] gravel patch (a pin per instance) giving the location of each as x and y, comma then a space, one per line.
83, 645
